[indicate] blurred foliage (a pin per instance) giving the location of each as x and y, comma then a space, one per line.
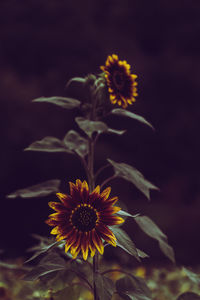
164, 283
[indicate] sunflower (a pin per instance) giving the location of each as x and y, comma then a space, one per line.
82, 219
121, 83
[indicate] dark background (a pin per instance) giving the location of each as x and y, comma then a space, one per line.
45, 43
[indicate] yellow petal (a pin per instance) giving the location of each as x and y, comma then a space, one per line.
55, 230
105, 194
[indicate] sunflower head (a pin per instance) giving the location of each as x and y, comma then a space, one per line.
82, 219
122, 87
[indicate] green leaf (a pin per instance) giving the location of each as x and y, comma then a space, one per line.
76, 79
126, 113
41, 250
133, 288
126, 214
52, 262
89, 127
124, 242
119, 132
48, 144
42, 270
75, 142
152, 230
105, 287
167, 250
39, 190
131, 174
192, 276
70, 292
68, 103
12, 266
189, 296
141, 253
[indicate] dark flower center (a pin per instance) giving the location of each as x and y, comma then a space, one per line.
84, 217
118, 80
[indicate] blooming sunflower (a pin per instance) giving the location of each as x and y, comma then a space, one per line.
82, 219
121, 83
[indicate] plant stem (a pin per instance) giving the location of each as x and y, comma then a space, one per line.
95, 267
91, 179
101, 169
108, 179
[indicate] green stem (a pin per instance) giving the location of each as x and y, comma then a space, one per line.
91, 179
95, 269
101, 169
107, 180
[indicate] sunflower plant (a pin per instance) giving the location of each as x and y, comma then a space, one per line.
86, 220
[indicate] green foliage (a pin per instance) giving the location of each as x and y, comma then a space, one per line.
76, 143
68, 103
124, 242
133, 288
39, 190
105, 287
131, 174
48, 144
152, 230
89, 127
192, 276
76, 79
126, 113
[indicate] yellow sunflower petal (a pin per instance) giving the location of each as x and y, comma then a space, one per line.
92, 251
105, 194
55, 230
97, 242
96, 190
78, 184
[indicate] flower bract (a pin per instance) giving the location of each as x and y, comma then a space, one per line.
82, 219
122, 86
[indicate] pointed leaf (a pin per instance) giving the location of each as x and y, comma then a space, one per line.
192, 276
126, 113
167, 250
75, 142
12, 266
126, 214
131, 174
152, 230
124, 242
105, 287
133, 288
76, 79
52, 262
42, 250
39, 190
48, 144
89, 127
141, 253
119, 132
42, 270
68, 103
